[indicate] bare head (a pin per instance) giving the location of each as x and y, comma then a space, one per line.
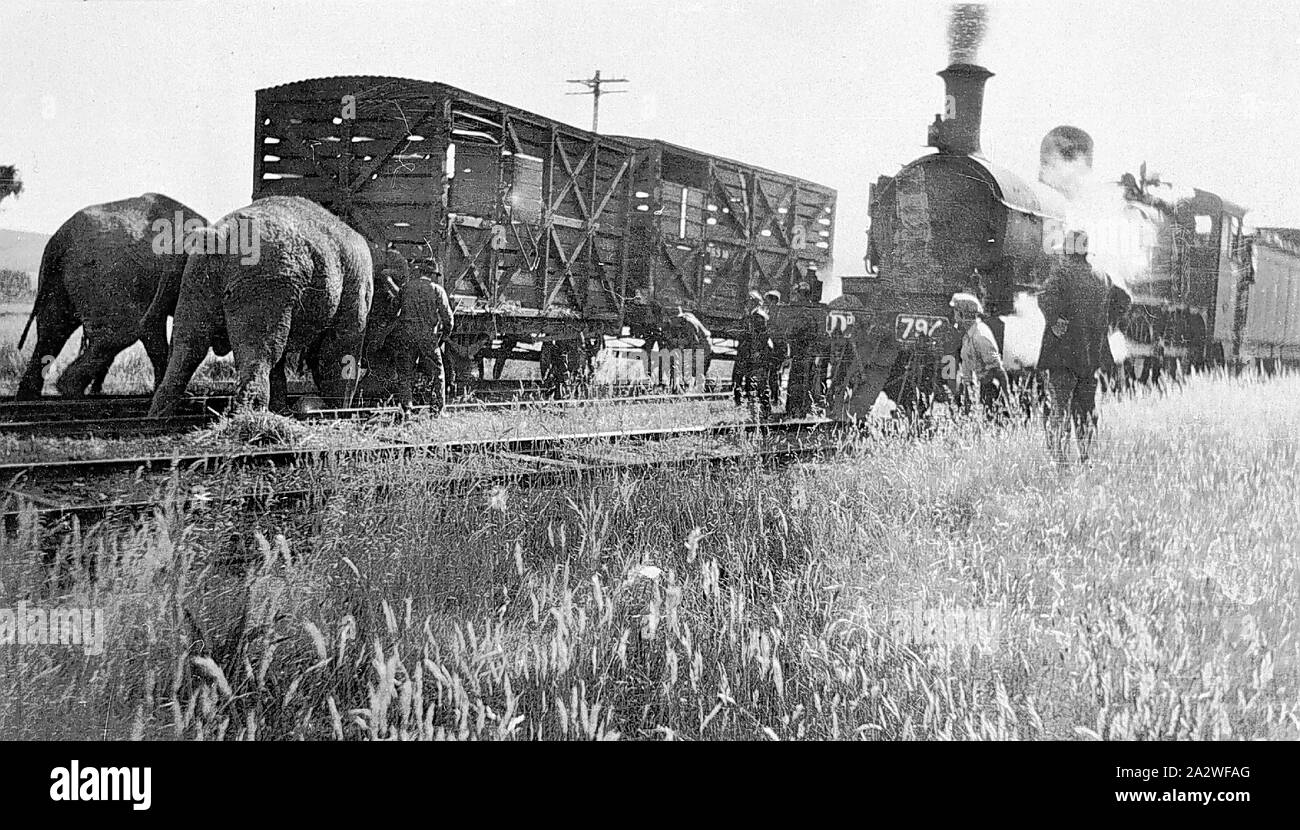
1065, 160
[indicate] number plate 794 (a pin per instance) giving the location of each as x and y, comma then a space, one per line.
912, 327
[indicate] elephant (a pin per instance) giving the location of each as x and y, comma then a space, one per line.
282, 275
100, 271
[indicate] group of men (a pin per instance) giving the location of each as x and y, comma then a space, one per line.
1080, 305
763, 349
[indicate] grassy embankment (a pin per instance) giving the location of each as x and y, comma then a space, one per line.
955, 587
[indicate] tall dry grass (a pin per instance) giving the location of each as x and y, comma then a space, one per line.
955, 587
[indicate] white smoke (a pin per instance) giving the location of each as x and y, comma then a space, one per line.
1022, 333
1118, 346
1120, 234
1167, 193
967, 23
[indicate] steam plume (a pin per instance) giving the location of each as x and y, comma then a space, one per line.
1022, 333
966, 26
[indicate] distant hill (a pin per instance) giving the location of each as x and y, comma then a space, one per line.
21, 250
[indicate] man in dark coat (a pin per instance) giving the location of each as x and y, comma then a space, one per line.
780, 348
1077, 304
690, 349
800, 393
740, 369
761, 349
424, 321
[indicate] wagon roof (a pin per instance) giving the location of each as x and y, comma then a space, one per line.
362, 85
1289, 236
646, 142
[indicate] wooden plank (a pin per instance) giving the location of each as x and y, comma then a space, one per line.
311, 187
402, 191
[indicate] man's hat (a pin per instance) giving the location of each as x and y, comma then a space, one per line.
966, 302
773, 295
755, 296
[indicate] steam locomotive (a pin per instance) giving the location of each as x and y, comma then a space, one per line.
955, 221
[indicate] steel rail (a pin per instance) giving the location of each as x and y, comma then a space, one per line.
133, 426
540, 451
137, 405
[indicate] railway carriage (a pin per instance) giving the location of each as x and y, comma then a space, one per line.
544, 233
1266, 331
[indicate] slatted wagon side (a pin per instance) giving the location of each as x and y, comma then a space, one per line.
705, 231
1269, 309
525, 215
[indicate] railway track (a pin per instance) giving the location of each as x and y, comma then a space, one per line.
125, 416
78, 493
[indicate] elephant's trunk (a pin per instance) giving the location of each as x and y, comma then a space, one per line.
198, 314
163, 304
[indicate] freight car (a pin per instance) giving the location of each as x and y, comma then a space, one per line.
542, 233
1267, 310
954, 221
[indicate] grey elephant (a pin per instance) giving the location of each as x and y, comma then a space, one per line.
100, 271
282, 275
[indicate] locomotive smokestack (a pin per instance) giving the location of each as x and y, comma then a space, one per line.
958, 131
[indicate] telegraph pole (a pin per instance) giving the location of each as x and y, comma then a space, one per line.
593, 85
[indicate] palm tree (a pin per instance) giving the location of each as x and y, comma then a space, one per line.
10, 181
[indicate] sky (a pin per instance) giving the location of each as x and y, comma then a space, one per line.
103, 100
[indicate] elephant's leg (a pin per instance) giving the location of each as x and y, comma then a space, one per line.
53, 328
312, 359
155, 345
186, 355
259, 344
97, 353
279, 388
97, 385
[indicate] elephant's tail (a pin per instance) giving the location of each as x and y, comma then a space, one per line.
51, 270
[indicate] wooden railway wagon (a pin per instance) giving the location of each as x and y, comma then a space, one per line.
705, 231
1267, 314
525, 217
543, 232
